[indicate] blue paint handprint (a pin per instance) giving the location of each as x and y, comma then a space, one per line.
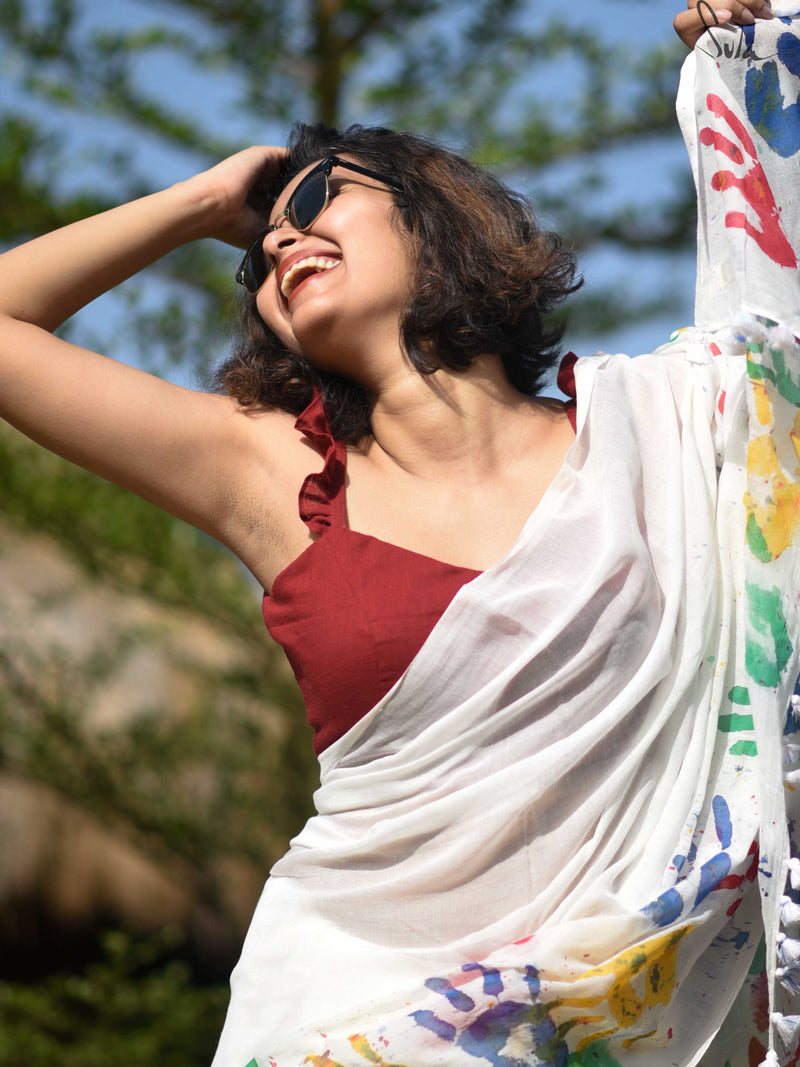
505, 1033
777, 122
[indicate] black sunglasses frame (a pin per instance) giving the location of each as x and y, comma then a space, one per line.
255, 268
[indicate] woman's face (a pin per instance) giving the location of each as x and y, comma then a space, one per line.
339, 288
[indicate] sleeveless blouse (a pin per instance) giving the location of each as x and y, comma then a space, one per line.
352, 611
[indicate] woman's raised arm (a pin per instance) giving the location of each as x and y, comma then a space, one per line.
184, 450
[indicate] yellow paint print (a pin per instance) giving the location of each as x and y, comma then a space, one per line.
587, 1042
763, 405
629, 1042
777, 514
322, 1061
794, 436
361, 1046
640, 978
365, 1050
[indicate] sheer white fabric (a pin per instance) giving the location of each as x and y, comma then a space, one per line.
545, 845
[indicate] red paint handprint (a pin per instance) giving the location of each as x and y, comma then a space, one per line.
753, 186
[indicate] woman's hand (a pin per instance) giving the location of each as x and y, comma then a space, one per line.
229, 190
692, 24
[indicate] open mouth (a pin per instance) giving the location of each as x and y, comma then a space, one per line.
305, 268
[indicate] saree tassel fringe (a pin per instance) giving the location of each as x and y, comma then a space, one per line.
789, 977
788, 949
787, 1027
790, 912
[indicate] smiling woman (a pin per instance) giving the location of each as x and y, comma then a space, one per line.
547, 647
474, 252
307, 202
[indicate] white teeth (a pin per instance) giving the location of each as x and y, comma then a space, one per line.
304, 267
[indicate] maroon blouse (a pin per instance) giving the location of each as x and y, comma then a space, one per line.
352, 611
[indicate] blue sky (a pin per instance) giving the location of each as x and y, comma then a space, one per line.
633, 172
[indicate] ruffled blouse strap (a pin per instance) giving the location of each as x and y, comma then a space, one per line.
566, 383
321, 499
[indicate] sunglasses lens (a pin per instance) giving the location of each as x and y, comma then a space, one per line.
254, 267
309, 201
306, 205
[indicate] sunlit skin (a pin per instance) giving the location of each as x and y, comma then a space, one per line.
448, 449
347, 318
691, 24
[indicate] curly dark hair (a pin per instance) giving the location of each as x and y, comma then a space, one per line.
484, 277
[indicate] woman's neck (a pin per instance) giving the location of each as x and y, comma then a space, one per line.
455, 423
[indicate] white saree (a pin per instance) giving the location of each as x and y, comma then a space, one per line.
562, 835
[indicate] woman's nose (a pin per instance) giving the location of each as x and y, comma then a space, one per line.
279, 238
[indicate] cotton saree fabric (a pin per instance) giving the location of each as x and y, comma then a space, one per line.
562, 838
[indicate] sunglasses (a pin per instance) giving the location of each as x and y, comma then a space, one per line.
305, 206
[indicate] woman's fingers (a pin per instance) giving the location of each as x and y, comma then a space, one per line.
702, 15
228, 190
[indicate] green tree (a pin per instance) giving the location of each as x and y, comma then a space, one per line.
226, 774
135, 1007
208, 789
195, 79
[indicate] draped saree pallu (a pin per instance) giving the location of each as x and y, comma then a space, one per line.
561, 838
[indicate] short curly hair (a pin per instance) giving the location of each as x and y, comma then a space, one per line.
484, 278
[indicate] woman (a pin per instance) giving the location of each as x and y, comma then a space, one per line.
534, 845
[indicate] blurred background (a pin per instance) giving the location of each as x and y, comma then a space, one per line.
154, 759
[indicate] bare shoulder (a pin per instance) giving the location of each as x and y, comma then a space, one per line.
554, 426
550, 407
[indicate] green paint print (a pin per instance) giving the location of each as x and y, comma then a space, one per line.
788, 385
779, 374
756, 541
731, 724
740, 694
759, 963
744, 748
594, 1055
757, 372
767, 644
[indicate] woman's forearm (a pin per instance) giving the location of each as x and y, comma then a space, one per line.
48, 279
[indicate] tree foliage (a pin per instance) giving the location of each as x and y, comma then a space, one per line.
135, 1006
92, 93
216, 779
209, 791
